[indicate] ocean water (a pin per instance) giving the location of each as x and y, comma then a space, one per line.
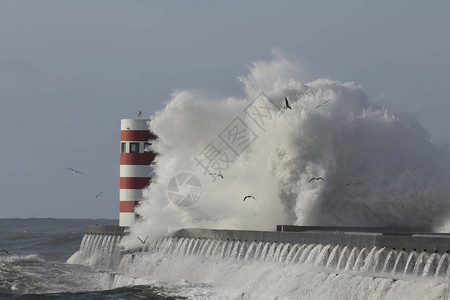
54, 259
36, 267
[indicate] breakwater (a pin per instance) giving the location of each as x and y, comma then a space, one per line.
343, 236
367, 250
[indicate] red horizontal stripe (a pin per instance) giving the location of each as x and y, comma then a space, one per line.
137, 158
135, 183
127, 206
136, 135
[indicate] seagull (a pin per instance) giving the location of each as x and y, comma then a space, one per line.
99, 194
323, 103
139, 114
73, 170
143, 241
218, 175
3, 250
316, 178
249, 197
286, 103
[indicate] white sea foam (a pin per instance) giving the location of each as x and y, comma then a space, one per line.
405, 178
14, 258
204, 272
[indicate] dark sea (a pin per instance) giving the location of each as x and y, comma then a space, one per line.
36, 267
54, 259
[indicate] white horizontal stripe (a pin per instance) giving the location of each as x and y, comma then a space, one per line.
136, 171
130, 195
134, 124
126, 219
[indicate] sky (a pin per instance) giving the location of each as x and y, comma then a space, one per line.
70, 70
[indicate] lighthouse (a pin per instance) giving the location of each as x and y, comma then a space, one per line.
135, 170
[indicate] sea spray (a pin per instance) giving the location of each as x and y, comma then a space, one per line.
267, 276
379, 169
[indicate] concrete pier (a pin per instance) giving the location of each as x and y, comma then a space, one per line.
353, 237
111, 230
361, 237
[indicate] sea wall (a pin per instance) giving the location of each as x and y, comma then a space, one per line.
343, 236
406, 241
109, 230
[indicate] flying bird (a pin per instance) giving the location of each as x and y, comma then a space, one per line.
316, 178
139, 114
249, 196
73, 170
143, 241
218, 175
323, 103
286, 103
3, 250
99, 194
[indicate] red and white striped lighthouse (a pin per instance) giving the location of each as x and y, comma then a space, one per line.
135, 170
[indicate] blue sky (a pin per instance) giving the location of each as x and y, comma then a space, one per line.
70, 70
